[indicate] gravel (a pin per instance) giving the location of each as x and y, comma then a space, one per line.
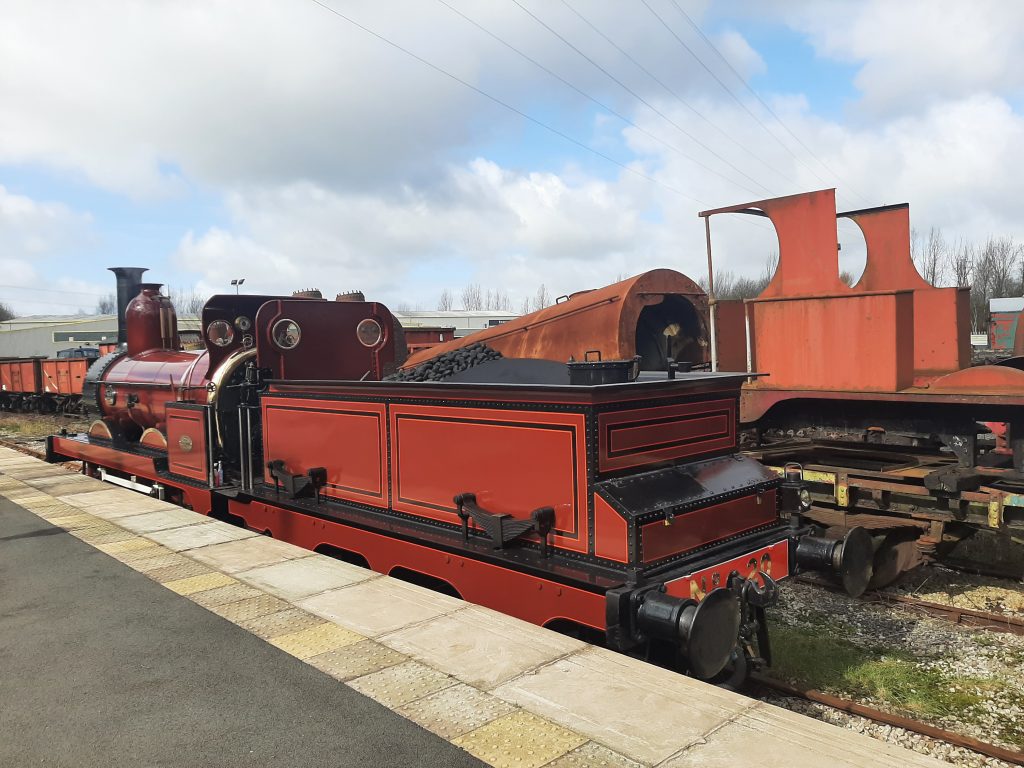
959, 653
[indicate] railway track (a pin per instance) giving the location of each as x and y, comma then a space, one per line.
887, 718
965, 617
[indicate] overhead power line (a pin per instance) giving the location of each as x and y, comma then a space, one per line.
615, 113
757, 96
677, 97
729, 91
506, 105
636, 95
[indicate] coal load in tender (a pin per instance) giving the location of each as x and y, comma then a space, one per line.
448, 364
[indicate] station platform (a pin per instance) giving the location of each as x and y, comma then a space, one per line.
136, 632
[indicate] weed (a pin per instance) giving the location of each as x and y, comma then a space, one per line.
886, 675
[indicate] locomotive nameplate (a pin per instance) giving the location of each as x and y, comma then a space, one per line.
185, 443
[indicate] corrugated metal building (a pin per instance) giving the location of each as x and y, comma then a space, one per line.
45, 335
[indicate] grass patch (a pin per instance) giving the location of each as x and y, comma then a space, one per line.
17, 425
884, 675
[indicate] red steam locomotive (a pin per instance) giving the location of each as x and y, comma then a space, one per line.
585, 494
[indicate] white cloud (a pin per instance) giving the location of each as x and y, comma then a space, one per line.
916, 53
343, 164
508, 230
133, 95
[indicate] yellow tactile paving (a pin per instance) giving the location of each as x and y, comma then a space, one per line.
192, 584
592, 755
176, 572
401, 684
519, 740
313, 641
140, 550
454, 711
250, 608
281, 623
222, 595
356, 660
160, 561
129, 545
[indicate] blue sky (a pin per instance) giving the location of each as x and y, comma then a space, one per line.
278, 143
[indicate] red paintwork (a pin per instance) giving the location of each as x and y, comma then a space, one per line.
150, 321
648, 435
349, 439
530, 598
334, 322
155, 378
891, 338
823, 342
703, 526
437, 452
20, 376
942, 316
64, 376
186, 442
610, 532
408, 453
197, 499
699, 583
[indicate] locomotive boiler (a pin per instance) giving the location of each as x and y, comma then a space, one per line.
582, 495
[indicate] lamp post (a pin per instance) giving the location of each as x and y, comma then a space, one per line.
237, 283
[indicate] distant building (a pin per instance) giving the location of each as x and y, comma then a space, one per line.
45, 335
1005, 314
464, 321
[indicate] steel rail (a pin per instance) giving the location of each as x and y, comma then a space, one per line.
887, 718
966, 617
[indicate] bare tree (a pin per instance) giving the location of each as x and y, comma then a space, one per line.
960, 264
498, 299
472, 297
187, 301
446, 301
542, 298
107, 305
994, 271
931, 257
526, 307
846, 276
6, 313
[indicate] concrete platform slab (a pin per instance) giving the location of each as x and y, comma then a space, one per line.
378, 606
247, 553
299, 578
624, 703
160, 520
481, 647
202, 534
777, 738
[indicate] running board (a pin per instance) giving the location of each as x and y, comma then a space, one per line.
156, 490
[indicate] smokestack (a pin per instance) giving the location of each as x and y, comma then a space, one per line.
128, 281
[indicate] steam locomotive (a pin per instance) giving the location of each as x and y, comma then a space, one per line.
603, 495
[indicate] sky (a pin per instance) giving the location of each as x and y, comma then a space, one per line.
413, 146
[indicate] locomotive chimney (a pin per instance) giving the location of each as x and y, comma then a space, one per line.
128, 281
151, 321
